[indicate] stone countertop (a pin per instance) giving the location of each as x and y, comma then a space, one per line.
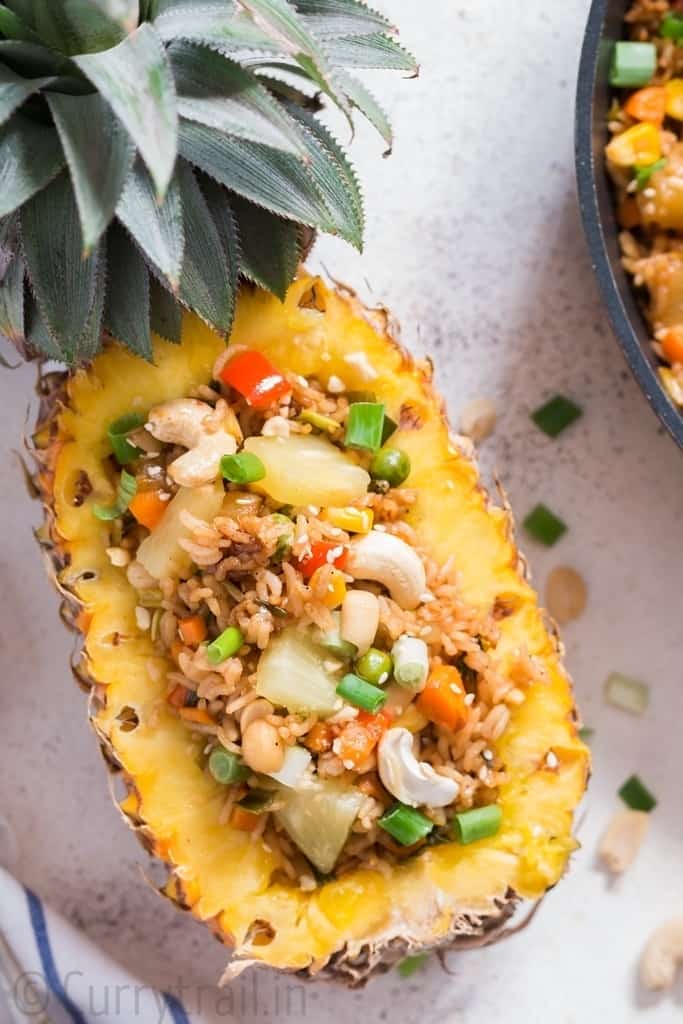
473, 240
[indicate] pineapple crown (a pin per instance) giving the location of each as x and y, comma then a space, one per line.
152, 151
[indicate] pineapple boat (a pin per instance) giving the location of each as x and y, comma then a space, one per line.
314, 656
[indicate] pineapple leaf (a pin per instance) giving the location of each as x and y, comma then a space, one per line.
24, 9
126, 313
13, 26
78, 26
329, 19
90, 340
219, 93
204, 284
99, 153
270, 249
274, 180
365, 102
30, 157
135, 79
371, 51
12, 302
214, 25
14, 90
157, 228
335, 178
63, 282
219, 207
30, 58
166, 315
37, 334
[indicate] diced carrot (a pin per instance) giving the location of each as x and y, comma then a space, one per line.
443, 698
148, 508
319, 738
672, 345
245, 821
628, 213
648, 104
176, 697
359, 738
177, 648
199, 715
192, 630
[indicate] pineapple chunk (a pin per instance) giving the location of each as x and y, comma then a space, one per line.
291, 673
663, 275
161, 553
307, 470
665, 207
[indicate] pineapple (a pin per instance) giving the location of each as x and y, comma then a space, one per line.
449, 895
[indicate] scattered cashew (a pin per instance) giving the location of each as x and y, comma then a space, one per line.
262, 748
259, 708
622, 839
193, 424
390, 561
662, 955
359, 619
411, 781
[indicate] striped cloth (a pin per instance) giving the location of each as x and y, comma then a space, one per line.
51, 974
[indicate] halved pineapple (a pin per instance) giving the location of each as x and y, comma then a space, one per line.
364, 920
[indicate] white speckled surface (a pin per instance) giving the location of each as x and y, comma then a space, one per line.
474, 242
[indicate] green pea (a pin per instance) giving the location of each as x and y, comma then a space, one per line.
390, 464
374, 666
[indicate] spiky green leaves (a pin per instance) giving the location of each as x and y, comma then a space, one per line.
141, 139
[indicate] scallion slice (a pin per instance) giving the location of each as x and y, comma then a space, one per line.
226, 767
671, 27
637, 796
405, 824
479, 823
633, 64
643, 174
628, 694
225, 645
406, 968
365, 425
361, 694
320, 422
556, 415
125, 492
390, 427
544, 525
117, 433
242, 468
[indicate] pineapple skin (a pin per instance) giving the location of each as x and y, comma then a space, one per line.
448, 897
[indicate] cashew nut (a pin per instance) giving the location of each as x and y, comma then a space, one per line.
622, 839
662, 955
388, 560
411, 781
193, 424
359, 619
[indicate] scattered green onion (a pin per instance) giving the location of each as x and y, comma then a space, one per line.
556, 415
118, 437
242, 468
479, 823
374, 666
637, 796
672, 27
361, 694
225, 645
633, 64
406, 968
257, 801
544, 525
405, 824
333, 643
283, 548
643, 174
392, 465
411, 662
227, 767
125, 492
320, 422
586, 733
364, 426
628, 694
390, 427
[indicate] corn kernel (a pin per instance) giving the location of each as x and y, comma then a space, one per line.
674, 98
335, 587
636, 147
353, 520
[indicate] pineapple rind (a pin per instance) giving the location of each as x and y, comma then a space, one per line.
354, 925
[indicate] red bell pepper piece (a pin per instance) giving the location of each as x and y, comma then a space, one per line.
319, 556
255, 378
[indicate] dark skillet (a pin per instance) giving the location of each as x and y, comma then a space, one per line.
605, 26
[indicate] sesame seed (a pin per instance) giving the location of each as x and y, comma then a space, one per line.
469, 699
649, 193
154, 471
487, 754
552, 760
164, 496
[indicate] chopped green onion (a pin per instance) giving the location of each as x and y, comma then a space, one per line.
411, 662
243, 468
479, 823
320, 422
405, 824
283, 548
364, 426
586, 733
332, 641
227, 767
225, 645
374, 666
360, 396
643, 174
392, 465
390, 427
672, 27
257, 801
633, 64
406, 968
628, 694
637, 796
361, 694
125, 492
544, 525
118, 437
556, 415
